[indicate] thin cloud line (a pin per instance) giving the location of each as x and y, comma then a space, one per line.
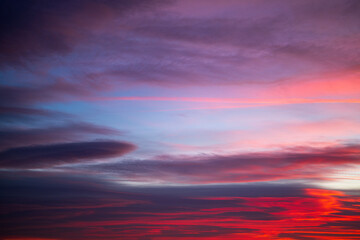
246, 103
231, 100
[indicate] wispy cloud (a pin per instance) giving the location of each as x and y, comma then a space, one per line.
298, 163
245, 103
64, 153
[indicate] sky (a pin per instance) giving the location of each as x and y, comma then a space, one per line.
180, 119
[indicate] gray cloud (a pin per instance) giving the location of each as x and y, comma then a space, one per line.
306, 164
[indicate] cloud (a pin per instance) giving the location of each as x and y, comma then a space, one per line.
21, 103
295, 163
59, 89
248, 44
36, 28
50, 155
15, 137
20, 114
64, 206
244, 102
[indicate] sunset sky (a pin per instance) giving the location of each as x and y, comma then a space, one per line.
180, 119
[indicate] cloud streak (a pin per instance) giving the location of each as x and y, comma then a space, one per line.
16, 137
65, 153
300, 163
246, 103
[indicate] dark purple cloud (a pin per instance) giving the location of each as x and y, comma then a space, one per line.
15, 137
21, 114
246, 45
37, 28
58, 89
62, 153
